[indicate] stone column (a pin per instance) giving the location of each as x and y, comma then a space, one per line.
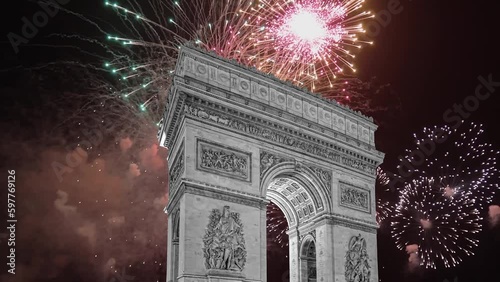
293, 241
169, 250
324, 252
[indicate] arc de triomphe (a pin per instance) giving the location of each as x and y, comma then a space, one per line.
238, 139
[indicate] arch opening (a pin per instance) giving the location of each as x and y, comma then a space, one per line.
308, 261
291, 206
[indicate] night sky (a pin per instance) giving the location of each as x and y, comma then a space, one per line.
431, 53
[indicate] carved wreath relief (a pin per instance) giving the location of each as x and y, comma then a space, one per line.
354, 197
357, 268
224, 242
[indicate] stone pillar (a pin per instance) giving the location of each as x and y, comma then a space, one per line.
169, 250
324, 252
293, 241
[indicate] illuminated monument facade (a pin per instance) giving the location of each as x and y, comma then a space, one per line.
238, 139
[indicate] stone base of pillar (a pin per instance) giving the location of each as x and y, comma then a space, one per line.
220, 275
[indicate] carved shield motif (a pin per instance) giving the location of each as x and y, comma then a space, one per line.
357, 267
224, 242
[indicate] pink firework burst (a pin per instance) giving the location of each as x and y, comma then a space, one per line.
310, 29
308, 42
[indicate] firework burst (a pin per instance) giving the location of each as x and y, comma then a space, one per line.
457, 159
308, 42
305, 42
384, 207
444, 227
277, 225
384, 211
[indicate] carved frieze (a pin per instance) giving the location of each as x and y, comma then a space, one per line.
222, 160
357, 266
324, 175
268, 160
224, 244
280, 137
354, 197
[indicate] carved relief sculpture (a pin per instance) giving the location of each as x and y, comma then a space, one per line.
357, 268
279, 137
324, 175
224, 243
268, 160
225, 161
354, 197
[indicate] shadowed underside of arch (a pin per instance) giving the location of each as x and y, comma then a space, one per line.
305, 194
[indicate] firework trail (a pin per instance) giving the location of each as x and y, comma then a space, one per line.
267, 35
277, 225
385, 199
445, 227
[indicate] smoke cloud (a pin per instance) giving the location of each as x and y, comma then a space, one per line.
105, 216
413, 259
494, 215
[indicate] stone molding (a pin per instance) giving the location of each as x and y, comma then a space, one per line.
206, 111
172, 119
354, 197
249, 83
347, 221
222, 160
305, 234
177, 169
194, 187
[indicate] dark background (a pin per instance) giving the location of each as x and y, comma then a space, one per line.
431, 53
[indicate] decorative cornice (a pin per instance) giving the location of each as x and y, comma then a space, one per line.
172, 121
176, 170
194, 187
190, 49
288, 137
347, 221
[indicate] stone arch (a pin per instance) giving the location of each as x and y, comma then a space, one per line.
307, 257
285, 206
231, 133
302, 175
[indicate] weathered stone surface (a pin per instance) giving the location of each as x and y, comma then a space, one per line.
239, 139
